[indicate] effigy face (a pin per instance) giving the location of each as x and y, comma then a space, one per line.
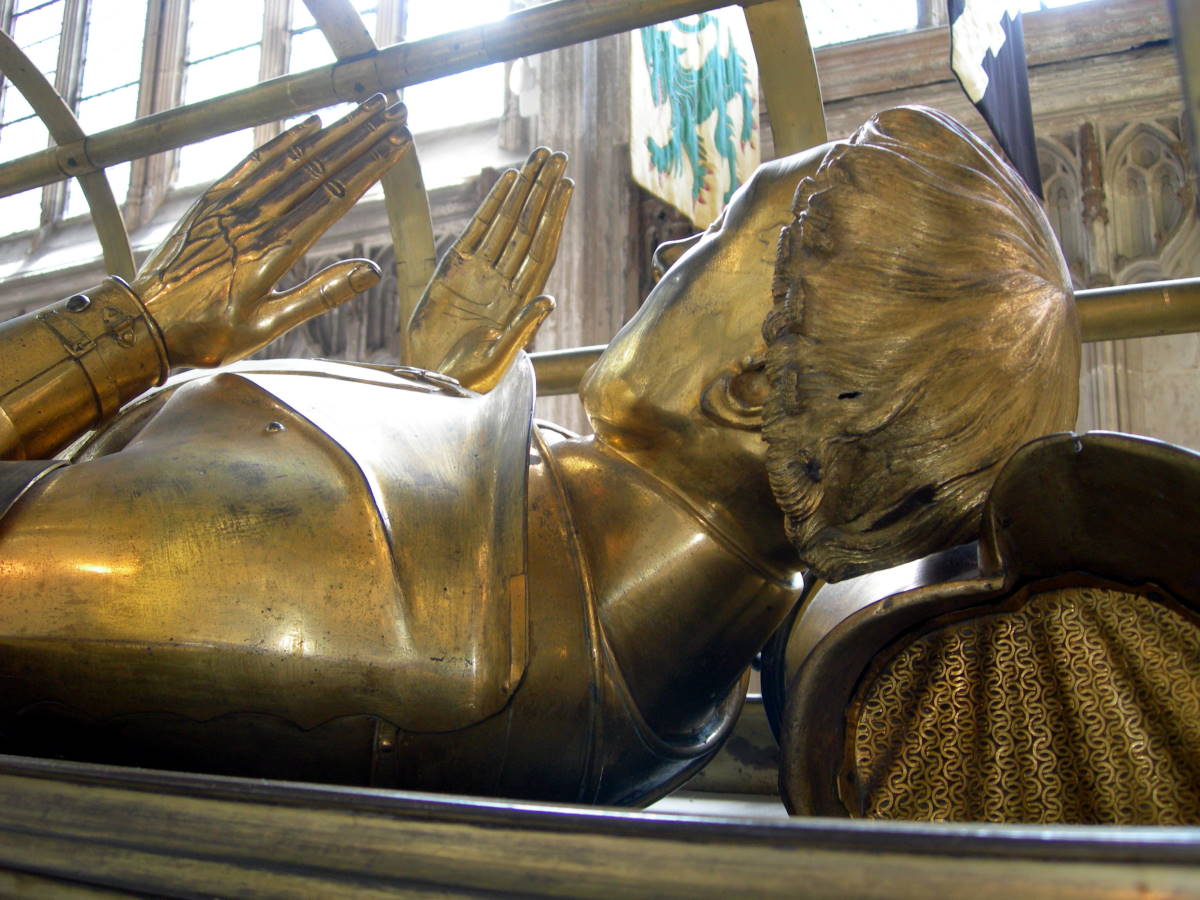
680, 389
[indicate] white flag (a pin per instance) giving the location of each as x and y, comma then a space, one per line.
694, 134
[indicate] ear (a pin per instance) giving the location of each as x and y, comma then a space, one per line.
735, 398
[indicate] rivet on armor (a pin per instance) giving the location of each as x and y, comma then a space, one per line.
78, 303
273, 427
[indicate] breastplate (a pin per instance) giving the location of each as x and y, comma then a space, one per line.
301, 540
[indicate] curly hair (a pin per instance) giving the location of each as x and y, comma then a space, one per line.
923, 329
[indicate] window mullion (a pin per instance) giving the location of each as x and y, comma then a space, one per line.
68, 79
389, 22
164, 48
6, 14
67, 82
273, 55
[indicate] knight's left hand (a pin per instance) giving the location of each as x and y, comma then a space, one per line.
209, 285
485, 302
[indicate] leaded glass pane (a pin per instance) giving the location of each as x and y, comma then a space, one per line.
224, 50
430, 17
113, 53
22, 138
470, 97
219, 26
20, 212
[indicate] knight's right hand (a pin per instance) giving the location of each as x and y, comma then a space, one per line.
209, 285
485, 301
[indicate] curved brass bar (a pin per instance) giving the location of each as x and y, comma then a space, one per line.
404, 194
787, 71
1105, 314
65, 129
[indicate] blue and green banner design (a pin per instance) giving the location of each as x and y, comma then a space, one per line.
694, 134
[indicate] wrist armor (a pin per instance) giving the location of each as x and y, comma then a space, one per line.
71, 365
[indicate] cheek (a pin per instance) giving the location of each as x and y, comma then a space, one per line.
607, 395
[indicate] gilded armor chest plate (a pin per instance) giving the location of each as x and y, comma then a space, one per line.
301, 540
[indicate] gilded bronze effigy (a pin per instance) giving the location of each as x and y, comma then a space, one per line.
377, 575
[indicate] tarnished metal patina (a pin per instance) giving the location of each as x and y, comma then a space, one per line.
373, 575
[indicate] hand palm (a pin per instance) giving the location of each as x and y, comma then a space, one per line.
484, 302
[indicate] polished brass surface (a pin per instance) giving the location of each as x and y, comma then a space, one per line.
69, 367
824, 605
218, 265
676, 392
1139, 310
1105, 314
787, 71
1058, 686
560, 371
373, 575
18, 477
345, 651
522, 33
74, 364
60, 121
923, 330
321, 641
748, 762
485, 301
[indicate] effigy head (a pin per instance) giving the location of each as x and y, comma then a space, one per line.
923, 329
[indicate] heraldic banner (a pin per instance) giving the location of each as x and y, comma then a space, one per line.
694, 134
987, 54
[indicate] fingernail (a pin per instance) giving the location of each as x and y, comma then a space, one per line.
364, 275
397, 111
374, 101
